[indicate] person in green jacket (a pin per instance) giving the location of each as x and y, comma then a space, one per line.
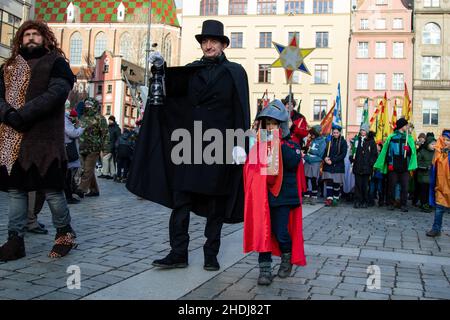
424, 161
396, 159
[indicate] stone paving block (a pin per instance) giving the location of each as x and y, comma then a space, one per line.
409, 285
295, 294
354, 280
372, 296
326, 284
344, 293
58, 296
235, 295
407, 292
321, 290
396, 297
315, 296
438, 294
106, 278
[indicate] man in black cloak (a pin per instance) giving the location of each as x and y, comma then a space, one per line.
212, 92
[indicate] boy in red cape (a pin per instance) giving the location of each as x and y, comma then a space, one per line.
273, 212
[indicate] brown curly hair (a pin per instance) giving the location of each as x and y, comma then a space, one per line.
49, 39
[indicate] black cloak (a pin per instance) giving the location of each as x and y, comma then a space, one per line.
152, 174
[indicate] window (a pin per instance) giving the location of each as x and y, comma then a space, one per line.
76, 44
291, 36
397, 50
380, 50
108, 109
100, 44
109, 88
236, 40
381, 2
265, 39
431, 34
397, 23
320, 109
106, 68
321, 73
209, 7
398, 80
294, 6
364, 24
363, 50
323, 6
380, 81
8, 28
126, 111
264, 73
362, 81
266, 7
380, 24
99, 89
237, 7
321, 39
431, 3
431, 68
125, 46
430, 112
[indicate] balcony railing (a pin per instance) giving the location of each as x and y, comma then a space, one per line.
432, 84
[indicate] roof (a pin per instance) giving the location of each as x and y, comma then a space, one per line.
82, 73
134, 73
163, 11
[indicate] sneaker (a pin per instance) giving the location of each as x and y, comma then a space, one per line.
102, 176
426, 208
171, 261
92, 194
335, 203
328, 202
211, 263
108, 177
433, 233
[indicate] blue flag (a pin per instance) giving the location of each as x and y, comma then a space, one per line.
337, 116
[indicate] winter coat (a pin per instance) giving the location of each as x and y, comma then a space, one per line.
424, 162
316, 150
338, 151
95, 137
114, 134
288, 196
125, 145
365, 156
71, 133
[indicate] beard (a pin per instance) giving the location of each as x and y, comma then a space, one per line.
37, 47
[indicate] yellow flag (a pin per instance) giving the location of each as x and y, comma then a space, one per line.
383, 127
406, 108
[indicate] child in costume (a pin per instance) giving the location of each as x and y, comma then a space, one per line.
424, 160
313, 161
440, 182
273, 212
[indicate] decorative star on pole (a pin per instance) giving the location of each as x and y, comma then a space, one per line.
291, 58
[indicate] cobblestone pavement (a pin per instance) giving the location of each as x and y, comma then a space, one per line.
119, 235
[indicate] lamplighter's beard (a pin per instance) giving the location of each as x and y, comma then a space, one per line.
31, 50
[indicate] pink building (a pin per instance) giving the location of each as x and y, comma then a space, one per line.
381, 56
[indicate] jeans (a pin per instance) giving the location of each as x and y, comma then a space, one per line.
279, 219
18, 210
438, 216
376, 190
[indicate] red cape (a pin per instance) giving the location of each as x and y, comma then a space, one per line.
258, 236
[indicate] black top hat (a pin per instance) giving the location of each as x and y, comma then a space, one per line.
212, 29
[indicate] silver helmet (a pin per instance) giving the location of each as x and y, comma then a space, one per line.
276, 110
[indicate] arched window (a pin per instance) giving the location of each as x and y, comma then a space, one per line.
431, 34
76, 46
209, 7
100, 44
237, 7
125, 46
167, 49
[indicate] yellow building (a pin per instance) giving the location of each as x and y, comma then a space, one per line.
252, 26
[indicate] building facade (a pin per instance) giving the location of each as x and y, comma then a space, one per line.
381, 56
12, 14
252, 26
431, 95
86, 29
115, 84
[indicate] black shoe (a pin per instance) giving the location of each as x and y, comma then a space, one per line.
108, 177
79, 193
38, 230
211, 263
102, 176
73, 201
92, 194
433, 233
170, 262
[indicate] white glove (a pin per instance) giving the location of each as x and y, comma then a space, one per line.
239, 155
156, 59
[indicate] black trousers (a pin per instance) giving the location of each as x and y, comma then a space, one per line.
362, 188
424, 193
393, 179
69, 183
179, 225
123, 164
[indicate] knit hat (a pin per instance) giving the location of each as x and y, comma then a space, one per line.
73, 113
316, 130
112, 118
401, 123
365, 127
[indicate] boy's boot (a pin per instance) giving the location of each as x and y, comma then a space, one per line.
286, 266
13, 249
265, 273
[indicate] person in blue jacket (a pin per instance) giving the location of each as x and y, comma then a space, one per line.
313, 160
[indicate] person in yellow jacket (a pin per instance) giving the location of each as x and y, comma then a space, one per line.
440, 182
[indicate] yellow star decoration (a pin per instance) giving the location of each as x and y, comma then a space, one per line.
291, 58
